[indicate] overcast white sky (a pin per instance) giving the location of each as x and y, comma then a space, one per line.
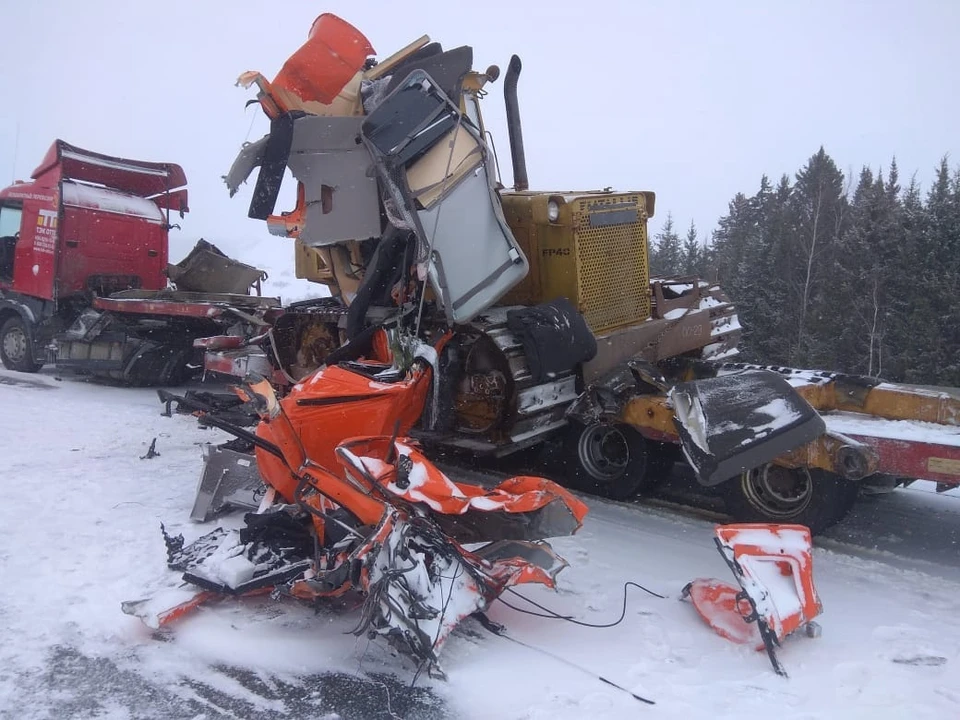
694, 100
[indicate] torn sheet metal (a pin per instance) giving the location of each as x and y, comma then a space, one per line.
230, 479
442, 167
733, 423
521, 508
207, 269
474, 259
249, 157
776, 597
338, 178
415, 136
367, 512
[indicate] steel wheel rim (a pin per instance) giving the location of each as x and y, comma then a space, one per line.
15, 344
603, 451
778, 491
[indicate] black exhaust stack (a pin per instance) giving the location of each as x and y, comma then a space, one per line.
520, 180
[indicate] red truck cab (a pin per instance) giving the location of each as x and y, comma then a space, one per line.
85, 225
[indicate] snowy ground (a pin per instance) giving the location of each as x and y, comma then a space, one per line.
79, 533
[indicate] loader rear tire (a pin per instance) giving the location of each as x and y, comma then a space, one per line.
607, 459
16, 346
775, 494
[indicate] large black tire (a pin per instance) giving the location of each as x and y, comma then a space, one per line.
775, 494
606, 459
16, 346
661, 458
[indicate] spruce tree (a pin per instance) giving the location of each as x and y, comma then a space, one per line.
666, 256
769, 334
942, 275
818, 207
691, 254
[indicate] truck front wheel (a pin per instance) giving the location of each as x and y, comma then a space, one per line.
775, 494
16, 346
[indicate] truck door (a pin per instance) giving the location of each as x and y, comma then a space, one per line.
28, 235
10, 217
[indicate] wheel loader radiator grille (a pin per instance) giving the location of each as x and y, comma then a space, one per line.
612, 277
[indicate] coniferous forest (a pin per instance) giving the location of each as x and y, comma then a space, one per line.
858, 275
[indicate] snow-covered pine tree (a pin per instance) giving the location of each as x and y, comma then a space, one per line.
692, 252
666, 254
819, 207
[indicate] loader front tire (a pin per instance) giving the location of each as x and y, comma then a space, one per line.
607, 459
16, 346
775, 494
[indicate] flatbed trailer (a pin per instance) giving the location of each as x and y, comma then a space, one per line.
148, 336
914, 431
878, 436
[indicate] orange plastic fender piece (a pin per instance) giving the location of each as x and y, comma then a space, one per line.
333, 53
774, 567
716, 602
776, 571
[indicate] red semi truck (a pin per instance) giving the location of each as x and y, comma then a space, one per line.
84, 263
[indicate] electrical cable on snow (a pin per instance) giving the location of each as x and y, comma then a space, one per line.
390, 711
500, 632
553, 615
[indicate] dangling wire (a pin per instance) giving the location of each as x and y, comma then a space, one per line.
548, 613
253, 118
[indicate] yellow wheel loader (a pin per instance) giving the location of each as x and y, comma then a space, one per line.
556, 330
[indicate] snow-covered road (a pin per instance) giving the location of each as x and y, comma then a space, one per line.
79, 533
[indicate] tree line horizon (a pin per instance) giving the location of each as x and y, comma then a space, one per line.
856, 275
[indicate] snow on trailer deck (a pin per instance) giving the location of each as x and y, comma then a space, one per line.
80, 533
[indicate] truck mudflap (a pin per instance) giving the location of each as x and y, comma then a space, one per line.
733, 423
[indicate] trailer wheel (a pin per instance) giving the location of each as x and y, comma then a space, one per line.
607, 459
772, 493
16, 346
661, 458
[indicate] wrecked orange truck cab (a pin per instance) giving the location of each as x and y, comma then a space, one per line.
353, 509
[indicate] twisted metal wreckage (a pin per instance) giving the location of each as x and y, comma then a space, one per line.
351, 503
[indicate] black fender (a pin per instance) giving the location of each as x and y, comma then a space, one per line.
34, 312
10, 306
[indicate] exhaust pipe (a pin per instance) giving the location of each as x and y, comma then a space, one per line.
520, 181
